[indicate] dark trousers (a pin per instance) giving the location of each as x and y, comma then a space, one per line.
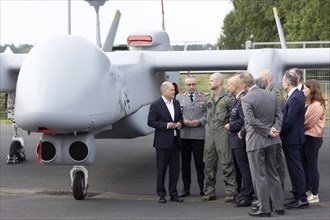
296, 171
242, 162
309, 159
168, 157
196, 148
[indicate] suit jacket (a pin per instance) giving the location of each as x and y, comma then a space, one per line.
293, 119
191, 111
236, 123
261, 114
158, 118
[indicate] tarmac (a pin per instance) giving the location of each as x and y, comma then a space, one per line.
122, 185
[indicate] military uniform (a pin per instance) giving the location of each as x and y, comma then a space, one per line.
192, 138
279, 152
236, 124
217, 144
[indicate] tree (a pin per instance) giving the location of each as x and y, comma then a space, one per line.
302, 20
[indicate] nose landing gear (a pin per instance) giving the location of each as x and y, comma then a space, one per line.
79, 182
16, 151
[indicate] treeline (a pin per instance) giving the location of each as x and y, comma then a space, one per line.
22, 48
302, 20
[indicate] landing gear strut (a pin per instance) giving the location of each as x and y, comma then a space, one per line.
16, 151
79, 182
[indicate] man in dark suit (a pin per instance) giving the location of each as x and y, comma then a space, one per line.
237, 144
292, 135
263, 119
166, 117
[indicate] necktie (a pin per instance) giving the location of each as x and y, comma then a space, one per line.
191, 98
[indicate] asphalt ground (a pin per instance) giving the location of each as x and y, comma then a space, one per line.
122, 186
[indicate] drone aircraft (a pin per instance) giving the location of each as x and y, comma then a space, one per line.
73, 92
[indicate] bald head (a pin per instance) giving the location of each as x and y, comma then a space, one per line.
216, 81
267, 77
234, 85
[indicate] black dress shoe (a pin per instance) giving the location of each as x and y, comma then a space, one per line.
184, 193
176, 199
280, 212
202, 193
161, 200
259, 213
243, 203
290, 202
299, 205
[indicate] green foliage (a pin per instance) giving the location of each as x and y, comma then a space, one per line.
302, 20
22, 48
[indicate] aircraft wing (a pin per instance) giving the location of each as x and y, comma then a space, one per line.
202, 60
240, 59
9, 69
306, 58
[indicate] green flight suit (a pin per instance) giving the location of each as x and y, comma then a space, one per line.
217, 144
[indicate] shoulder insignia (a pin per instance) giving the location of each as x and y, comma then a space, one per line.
201, 93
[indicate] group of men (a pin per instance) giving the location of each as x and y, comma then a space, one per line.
243, 128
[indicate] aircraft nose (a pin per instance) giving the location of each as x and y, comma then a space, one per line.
58, 85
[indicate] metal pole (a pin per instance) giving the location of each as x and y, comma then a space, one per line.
98, 35
69, 17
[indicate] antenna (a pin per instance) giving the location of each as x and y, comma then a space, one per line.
163, 17
96, 4
279, 29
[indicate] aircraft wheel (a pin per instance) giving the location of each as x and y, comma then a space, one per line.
78, 187
16, 152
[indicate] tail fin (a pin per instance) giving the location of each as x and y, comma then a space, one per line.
108, 43
279, 29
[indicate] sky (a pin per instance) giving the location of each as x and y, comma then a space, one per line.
29, 21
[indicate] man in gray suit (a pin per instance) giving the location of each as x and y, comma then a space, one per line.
263, 120
192, 103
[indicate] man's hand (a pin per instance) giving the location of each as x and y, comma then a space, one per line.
191, 123
274, 132
227, 127
172, 125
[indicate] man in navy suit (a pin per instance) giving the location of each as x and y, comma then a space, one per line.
166, 117
292, 135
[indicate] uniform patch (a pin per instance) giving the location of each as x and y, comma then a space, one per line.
209, 105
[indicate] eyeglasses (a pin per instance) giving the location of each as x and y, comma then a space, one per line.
191, 84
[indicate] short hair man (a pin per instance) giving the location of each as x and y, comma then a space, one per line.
216, 146
262, 123
192, 103
237, 144
292, 135
166, 117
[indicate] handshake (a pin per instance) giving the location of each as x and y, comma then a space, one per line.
274, 132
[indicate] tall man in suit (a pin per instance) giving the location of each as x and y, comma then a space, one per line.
166, 117
292, 135
192, 135
263, 119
